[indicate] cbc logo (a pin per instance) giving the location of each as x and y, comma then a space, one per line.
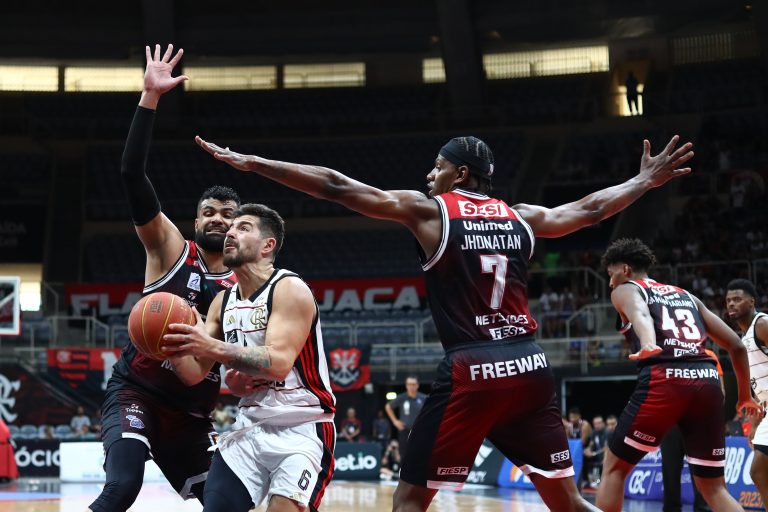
637, 482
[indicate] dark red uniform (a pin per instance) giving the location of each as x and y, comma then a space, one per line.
678, 386
495, 381
145, 400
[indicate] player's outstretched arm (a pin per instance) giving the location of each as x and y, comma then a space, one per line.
598, 206
162, 240
730, 341
631, 306
191, 367
407, 207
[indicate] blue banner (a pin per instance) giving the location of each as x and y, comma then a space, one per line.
644, 482
512, 476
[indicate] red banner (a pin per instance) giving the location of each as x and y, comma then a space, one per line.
85, 369
105, 300
349, 367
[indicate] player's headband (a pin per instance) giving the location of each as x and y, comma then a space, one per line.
457, 155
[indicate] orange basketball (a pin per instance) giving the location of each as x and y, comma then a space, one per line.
150, 318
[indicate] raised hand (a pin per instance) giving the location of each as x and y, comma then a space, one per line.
157, 76
659, 169
236, 160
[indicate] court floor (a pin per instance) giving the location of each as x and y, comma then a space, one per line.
49, 495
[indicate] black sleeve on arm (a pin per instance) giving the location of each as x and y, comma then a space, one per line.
142, 198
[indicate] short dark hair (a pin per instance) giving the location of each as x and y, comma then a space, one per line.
631, 251
219, 193
744, 285
269, 221
611, 417
574, 410
481, 150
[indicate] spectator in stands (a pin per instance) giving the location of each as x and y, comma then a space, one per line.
8, 468
593, 453
409, 406
350, 427
48, 432
631, 84
96, 423
80, 423
382, 430
390, 461
610, 427
578, 428
549, 307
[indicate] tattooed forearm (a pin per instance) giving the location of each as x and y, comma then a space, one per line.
251, 360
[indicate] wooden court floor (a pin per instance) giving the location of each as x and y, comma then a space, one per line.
49, 495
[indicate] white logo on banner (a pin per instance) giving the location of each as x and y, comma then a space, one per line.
6, 401
637, 482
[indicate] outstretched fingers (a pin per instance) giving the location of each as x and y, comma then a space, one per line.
168, 53
176, 58
148, 53
671, 145
157, 52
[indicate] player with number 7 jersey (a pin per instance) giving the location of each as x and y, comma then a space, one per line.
494, 381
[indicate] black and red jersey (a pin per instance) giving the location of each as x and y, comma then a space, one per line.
188, 278
680, 329
477, 279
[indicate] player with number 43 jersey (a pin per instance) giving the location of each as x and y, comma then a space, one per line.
678, 382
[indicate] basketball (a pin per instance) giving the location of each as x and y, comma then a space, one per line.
150, 318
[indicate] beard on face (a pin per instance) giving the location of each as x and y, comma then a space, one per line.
212, 242
233, 260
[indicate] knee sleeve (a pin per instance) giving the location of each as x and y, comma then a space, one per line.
125, 472
224, 492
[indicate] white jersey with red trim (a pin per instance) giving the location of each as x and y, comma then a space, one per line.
305, 396
757, 353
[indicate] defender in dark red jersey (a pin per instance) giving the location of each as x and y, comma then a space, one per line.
678, 382
495, 381
148, 410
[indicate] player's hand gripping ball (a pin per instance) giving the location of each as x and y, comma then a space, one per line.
150, 318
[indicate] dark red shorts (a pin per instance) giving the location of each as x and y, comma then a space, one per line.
668, 394
502, 391
178, 442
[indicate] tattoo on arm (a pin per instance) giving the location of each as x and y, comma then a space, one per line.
251, 360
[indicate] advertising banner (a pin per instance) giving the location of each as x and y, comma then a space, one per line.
37, 457
357, 461
644, 482
84, 462
104, 299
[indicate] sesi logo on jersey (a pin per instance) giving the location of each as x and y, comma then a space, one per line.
469, 209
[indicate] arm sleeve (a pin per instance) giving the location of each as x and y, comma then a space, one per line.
141, 195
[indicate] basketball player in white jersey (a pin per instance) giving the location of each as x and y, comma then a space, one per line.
281, 446
740, 301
